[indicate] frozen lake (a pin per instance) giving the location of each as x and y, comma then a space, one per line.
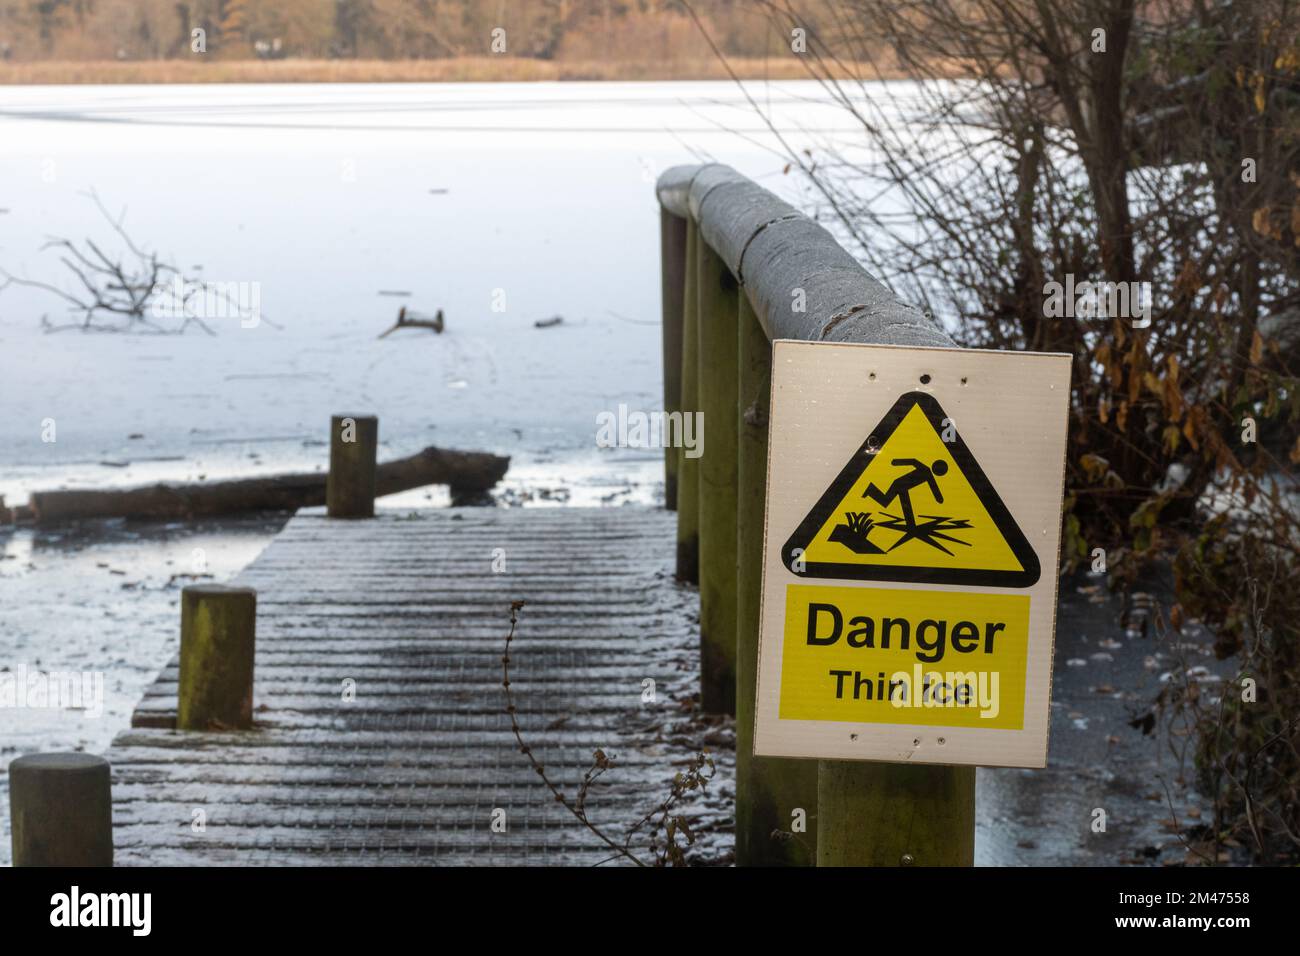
500, 204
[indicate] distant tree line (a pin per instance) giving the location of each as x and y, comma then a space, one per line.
381, 29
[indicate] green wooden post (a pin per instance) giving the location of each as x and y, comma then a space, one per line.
718, 387
215, 689
350, 485
769, 790
889, 814
672, 255
688, 469
61, 810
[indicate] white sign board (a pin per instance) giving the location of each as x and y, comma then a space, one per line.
910, 557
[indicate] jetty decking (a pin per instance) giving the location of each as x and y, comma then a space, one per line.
415, 610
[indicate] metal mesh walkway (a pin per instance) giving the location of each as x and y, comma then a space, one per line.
410, 612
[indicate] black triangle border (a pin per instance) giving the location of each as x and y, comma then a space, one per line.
830, 499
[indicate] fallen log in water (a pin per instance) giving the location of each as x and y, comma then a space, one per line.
437, 323
470, 474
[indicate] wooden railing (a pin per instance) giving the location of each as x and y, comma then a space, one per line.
742, 268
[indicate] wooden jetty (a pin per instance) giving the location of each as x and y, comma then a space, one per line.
415, 610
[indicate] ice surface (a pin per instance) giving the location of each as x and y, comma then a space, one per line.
325, 196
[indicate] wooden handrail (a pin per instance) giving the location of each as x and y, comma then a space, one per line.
754, 269
773, 250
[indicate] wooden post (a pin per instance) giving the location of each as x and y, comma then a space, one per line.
889, 814
218, 626
61, 810
672, 253
718, 378
688, 468
769, 790
350, 488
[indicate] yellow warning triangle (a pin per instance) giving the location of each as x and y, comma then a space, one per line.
912, 506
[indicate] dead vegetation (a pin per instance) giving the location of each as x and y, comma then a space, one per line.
128, 289
383, 40
407, 320
1141, 145
664, 833
464, 69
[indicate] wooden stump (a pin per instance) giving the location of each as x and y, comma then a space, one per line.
218, 626
350, 488
61, 810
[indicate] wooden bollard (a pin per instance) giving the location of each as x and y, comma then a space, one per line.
217, 641
61, 810
350, 487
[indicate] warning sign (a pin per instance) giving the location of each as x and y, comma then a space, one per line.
912, 504
909, 580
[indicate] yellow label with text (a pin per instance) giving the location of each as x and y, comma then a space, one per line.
883, 656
